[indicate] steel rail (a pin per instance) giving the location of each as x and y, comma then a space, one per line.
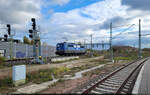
124, 83
108, 76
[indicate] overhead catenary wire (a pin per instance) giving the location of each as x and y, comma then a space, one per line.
120, 26
123, 31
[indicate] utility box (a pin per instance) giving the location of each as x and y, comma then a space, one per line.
19, 74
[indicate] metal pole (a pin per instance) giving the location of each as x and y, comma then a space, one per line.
34, 46
139, 39
91, 46
91, 41
39, 43
102, 45
111, 49
11, 40
84, 43
11, 46
46, 53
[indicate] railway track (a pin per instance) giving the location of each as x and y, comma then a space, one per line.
29, 60
19, 60
121, 81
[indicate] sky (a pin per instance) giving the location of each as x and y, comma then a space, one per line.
76, 20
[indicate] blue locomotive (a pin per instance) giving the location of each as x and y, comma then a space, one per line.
69, 49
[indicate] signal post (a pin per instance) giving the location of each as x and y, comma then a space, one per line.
36, 42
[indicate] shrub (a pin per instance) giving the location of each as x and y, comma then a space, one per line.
125, 58
45, 75
57, 71
40, 76
2, 61
6, 85
61, 80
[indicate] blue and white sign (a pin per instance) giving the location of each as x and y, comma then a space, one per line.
19, 72
20, 54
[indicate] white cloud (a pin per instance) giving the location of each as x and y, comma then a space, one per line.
89, 31
137, 4
18, 13
60, 2
78, 23
70, 26
54, 2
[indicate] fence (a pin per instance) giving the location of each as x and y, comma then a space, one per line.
20, 50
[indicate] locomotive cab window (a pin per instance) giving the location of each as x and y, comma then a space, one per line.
58, 45
78, 46
70, 45
74, 46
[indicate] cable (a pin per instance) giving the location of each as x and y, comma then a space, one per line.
145, 34
122, 26
123, 31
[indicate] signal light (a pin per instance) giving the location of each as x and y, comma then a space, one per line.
5, 37
33, 19
31, 36
33, 23
31, 33
9, 29
17, 41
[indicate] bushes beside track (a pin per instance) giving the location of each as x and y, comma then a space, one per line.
2, 61
6, 84
45, 75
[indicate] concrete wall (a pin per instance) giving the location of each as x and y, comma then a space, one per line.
20, 50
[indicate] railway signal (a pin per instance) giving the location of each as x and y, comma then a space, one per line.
5, 37
33, 23
10, 39
9, 29
17, 41
31, 33
36, 41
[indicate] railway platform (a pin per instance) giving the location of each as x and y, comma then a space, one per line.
142, 85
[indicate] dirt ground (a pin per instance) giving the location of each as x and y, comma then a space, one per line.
7, 72
69, 85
